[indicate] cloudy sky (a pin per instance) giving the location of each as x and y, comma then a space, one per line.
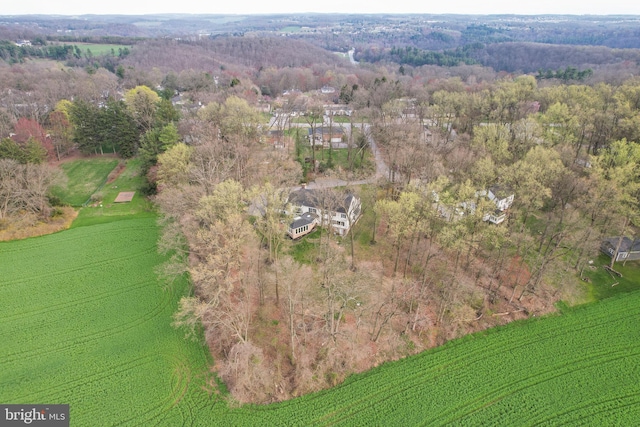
129, 7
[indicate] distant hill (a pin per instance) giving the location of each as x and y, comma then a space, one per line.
253, 52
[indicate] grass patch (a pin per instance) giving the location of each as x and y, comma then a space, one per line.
84, 177
305, 120
603, 284
101, 49
102, 207
305, 249
337, 159
341, 119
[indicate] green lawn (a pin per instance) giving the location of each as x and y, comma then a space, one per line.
603, 284
337, 158
103, 209
84, 177
101, 49
305, 249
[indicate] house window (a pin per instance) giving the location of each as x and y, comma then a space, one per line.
343, 215
312, 210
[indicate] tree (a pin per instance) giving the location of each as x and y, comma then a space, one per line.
61, 132
156, 141
404, 220
173, 164
494, 140
270, 203
26, 129
313, 113
31, 151
619, 165
297, 280
142, 103
24, 188
166, 113
118, 129
531, 177
86, 126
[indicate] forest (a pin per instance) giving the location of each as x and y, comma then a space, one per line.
422, 265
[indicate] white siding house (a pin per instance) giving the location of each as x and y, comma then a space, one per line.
338, 215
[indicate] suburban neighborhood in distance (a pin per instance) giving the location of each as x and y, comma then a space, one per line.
319, 218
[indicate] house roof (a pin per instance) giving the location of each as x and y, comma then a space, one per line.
305, 219
500, 191
335, 130
313, 198
627, 245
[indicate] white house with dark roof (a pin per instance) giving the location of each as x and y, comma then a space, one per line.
627, 249
339, 215
501, 196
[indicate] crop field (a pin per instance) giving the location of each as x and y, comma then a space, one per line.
84, 177
83, 321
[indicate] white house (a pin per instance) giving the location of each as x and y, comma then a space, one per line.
501, 196
627, 249
340, 214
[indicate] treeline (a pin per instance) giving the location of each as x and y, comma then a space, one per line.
569, 73
117, 40
13, 53
511, 57
531, 57
418, 57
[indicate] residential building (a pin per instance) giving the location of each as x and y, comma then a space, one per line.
629, 249
339, 215
302, 225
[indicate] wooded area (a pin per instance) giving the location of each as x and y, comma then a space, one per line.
421, 266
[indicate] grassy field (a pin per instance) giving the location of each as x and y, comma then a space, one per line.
83, 321
84, 177
603, 284
101, 49
103, 209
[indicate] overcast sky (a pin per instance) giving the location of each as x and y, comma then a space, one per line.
136, 7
